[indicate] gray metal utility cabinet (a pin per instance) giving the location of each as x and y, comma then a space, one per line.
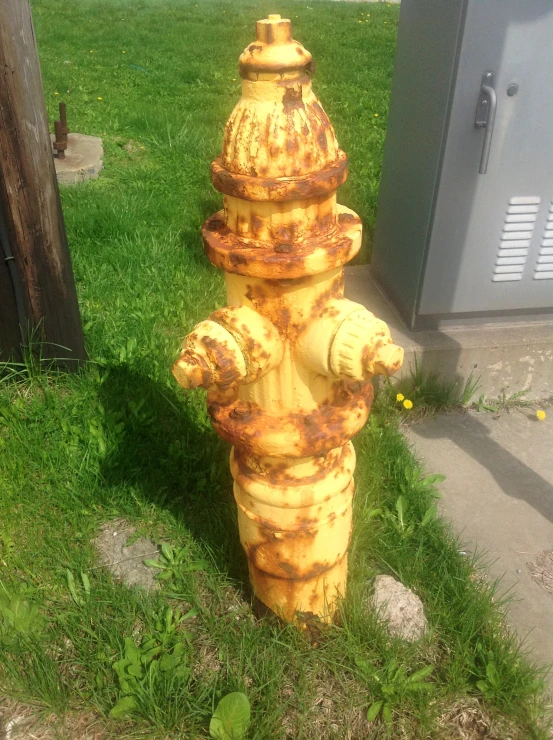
464, 225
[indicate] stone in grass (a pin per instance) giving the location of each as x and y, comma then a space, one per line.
399, 607
84, 159
127, 562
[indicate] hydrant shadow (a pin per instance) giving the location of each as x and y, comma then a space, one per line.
190, 237
168, 454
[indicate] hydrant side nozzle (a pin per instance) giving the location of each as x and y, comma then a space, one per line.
387, 360
191, 371
362, 347
210, 345
256, 336
235, 345
315, 344
347, 341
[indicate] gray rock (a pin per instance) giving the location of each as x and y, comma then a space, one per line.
126, 562
399, 607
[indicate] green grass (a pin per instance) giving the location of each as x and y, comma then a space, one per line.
118, 439
427, 391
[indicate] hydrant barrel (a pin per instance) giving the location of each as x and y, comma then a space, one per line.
288, 364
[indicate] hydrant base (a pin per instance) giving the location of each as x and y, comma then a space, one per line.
296, 532
290, 601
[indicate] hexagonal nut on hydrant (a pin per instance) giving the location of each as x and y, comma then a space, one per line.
235, 345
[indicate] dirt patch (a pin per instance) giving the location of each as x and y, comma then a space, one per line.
21, 722
336, 710
131, 147
123, 554
206, 659
541, 570
466, 720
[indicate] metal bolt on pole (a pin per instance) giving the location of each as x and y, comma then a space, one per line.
60, 143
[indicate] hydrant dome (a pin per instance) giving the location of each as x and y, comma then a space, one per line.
278, 128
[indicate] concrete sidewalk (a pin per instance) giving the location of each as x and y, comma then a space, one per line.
498, 494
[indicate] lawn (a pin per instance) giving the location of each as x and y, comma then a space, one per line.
118, 440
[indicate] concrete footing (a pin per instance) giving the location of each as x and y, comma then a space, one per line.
506, 357
84, 159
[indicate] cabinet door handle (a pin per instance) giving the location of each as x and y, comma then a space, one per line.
485, 117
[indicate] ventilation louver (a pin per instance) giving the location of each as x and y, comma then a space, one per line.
543, 269
516, 238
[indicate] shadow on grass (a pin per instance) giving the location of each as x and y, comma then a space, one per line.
191, 235
172, 455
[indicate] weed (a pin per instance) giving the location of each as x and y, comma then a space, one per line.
174, 561
393, 685
71, 585
491, 685
414, 486
502, 403
7, 547
231, 718
160, 660
399, 519
424, 392
19, 615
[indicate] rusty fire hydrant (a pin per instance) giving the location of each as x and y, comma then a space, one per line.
288, 363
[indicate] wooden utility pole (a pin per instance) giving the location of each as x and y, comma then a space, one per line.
36, 279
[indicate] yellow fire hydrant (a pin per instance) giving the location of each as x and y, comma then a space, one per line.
288, 363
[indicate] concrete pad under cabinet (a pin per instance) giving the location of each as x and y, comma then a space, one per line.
506, 356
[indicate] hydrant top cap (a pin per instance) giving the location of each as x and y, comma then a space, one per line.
274, 49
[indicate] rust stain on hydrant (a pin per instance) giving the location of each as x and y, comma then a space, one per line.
288, 363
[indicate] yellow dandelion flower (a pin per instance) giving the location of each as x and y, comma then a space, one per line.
541, 414
123, 52
56, 93
376, 115
400, 397
91, 51
407, 404
99, 98
234, 79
